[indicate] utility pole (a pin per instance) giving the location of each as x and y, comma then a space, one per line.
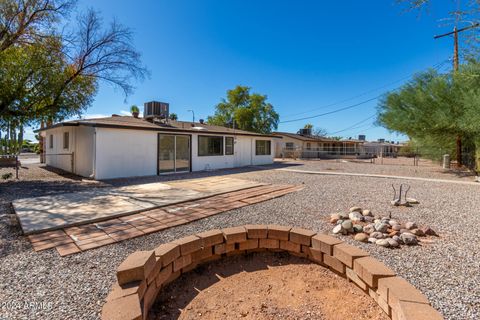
455, 69
193, 115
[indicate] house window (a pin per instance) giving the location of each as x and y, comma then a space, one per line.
289, 145
309, 146
228, 145
50, 142
262, 147
210, 146
66, 140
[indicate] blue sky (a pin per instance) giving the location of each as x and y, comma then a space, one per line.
304, 55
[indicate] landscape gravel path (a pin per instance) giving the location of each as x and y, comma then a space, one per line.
44, 285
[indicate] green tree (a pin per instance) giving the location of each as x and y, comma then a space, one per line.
49, 75
247, 111
173, 116
436, 110
308, 126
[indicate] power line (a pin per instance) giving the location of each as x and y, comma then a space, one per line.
351, 98
436, 66
334, 111
355, 125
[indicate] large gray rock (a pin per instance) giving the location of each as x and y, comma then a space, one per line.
382, 243
372, 240
357, 228
369, 228
355, 216
347, 224
393, 222
381, 227
367, 213
377, 235
397, 239
410, 225
353, 209
393, 243
368, 219
397, 227
409, 239
337, 229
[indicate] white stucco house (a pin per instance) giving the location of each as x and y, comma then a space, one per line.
127, 146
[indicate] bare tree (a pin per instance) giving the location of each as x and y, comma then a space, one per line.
104, 54
24, 21
91, 54
320, 132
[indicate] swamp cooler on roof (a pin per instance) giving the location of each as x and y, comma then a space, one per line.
156, 109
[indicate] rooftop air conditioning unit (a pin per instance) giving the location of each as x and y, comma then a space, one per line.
156, 110
305, 132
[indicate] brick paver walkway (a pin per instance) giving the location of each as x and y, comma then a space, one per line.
93, 235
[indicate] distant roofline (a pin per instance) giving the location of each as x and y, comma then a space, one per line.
312, 138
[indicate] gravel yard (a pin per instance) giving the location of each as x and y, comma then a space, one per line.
44, 285
390, 166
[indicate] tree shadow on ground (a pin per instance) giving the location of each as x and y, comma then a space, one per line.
177, 295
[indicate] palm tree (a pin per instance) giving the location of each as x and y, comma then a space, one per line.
135, 111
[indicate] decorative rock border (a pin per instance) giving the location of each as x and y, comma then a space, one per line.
142, 275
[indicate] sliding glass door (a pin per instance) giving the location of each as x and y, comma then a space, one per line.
173, 153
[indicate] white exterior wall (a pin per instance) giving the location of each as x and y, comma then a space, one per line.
108, 153
243, 154
84, 141
200, 163
125, 153
55, 155
266, 159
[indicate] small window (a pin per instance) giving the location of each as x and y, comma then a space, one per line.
289, 145
210, 146
66, 140
228, 145
262, 147
50, 143
309, 146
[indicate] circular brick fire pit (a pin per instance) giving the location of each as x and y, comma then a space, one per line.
143, 274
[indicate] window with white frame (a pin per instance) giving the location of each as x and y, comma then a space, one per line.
50, 141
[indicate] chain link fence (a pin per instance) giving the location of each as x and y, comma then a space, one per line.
386, 155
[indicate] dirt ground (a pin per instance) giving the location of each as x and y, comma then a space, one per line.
264, 287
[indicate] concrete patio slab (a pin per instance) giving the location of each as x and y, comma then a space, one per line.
58, 211
75, 239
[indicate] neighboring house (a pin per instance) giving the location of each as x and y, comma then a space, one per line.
124, 146
294, 145
382, 148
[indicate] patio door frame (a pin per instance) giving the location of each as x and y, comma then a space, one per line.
175, 153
